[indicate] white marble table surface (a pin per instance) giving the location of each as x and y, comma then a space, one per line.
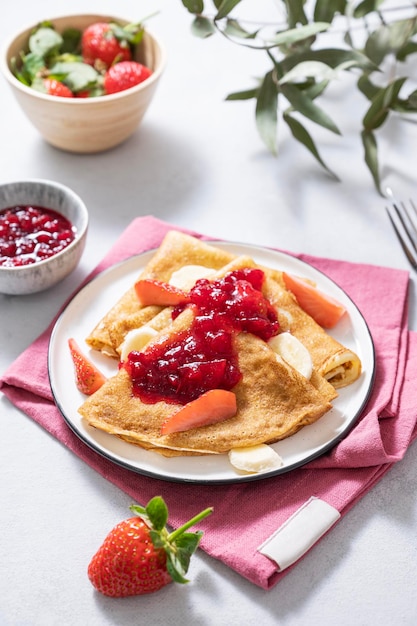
198, 162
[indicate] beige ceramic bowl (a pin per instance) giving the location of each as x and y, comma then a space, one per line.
50, 195
86, 125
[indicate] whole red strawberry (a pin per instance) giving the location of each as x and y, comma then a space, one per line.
140, 556
124, 75
99, 43
56, 88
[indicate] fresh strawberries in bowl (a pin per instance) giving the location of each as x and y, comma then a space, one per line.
140, 556
76, 51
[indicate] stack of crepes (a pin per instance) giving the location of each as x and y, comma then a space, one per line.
247, 514
274, 400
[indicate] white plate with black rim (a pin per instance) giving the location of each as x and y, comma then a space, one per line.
93, 301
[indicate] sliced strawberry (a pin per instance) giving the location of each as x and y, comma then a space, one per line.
324, 309
212, 406
159, 293
87, 377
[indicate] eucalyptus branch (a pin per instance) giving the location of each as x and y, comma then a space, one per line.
302, 67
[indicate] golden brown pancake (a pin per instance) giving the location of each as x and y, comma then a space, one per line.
274, 401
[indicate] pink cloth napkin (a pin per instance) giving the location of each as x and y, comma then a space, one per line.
245, 515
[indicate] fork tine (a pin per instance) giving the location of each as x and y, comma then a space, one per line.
407, 223
407, 251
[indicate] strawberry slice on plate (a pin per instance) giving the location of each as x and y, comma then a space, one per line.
87, 377
324, 309
211, 407
157, 292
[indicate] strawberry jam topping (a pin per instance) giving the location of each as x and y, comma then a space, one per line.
31, 233
203, 357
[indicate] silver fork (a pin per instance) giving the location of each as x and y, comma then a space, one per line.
404, 221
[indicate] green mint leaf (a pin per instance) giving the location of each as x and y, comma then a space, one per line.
44, 42
304, 105
32, 65
77, 75
71, 41
300, 133
266, 112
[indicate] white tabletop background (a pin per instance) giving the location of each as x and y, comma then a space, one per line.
197, 162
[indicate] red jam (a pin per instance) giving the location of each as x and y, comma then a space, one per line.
203, 357
31, 233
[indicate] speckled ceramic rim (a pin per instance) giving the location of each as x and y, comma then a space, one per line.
79, 218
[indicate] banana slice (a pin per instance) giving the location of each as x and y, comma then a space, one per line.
254, 459
186, 277
136, 339
293, 352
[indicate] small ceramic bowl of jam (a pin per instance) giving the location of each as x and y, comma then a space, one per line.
43, 229
69, 99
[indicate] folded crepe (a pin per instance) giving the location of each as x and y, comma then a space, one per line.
339, 365
176, 250
274, 401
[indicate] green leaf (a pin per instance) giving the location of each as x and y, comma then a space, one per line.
365, 7
266, 112
408, 105
295, 12
304, 105
71, 41
325, 11
371, 156
77, 75
312, 69
333, 57
194, 6
248, 94
44, 41
234, 29
293, 35
31, 66
367, 87
300, 133
389, 39
202, 27
381, 103
409, 48
157, 512
225, 8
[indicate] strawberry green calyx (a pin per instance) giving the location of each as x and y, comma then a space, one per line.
178, 545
